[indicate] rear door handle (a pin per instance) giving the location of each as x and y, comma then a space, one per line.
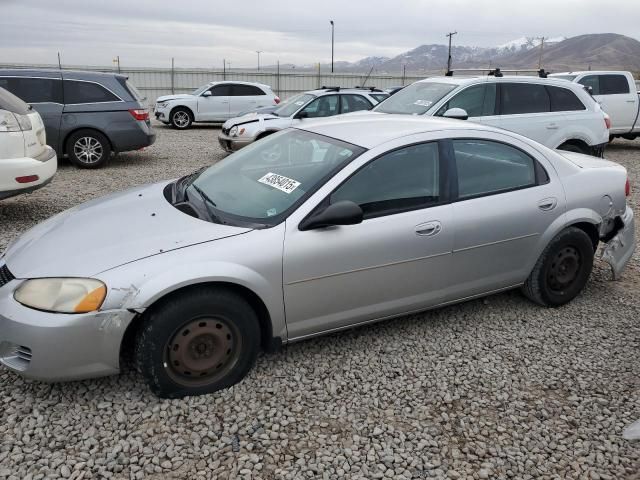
547, 204
428, 229
631, 101
552, 126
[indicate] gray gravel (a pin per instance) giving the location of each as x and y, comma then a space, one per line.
494, 388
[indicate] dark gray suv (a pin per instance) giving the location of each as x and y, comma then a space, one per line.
87, 115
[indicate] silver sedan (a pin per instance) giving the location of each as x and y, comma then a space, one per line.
309, 231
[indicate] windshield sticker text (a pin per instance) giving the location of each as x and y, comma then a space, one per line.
284, 184
423, 103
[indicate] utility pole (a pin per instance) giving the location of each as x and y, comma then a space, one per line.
117, 62
258, 52
172, 75
59, 62
332, 42
542, 39
224, 68
450, 34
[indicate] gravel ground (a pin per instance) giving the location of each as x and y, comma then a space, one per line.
494, 388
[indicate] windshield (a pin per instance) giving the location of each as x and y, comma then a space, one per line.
571, 78
200, 90
291, 105
261, 182
415, 99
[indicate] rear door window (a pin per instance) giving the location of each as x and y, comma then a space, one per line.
517, 98
613, 85
245, 91
485, 167
354, 103
79, 92
564, 100
477, 101
34, 90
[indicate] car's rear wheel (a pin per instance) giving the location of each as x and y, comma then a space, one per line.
572, 147
562, 270
181, 118
198, 342
88, 149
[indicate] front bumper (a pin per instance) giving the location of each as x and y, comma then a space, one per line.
58, 347
233, 144
618, 251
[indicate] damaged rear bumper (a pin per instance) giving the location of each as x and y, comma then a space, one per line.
618, 251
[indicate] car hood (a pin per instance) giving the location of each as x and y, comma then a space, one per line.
108, 232
168, 98
251, 118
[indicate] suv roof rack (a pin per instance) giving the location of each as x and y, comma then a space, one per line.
372, 89
497, 72
330, 89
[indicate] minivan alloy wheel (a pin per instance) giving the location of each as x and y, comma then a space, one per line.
88, 150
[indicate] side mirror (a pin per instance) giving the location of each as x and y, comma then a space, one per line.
302, 115
207, 93
345, 212
457, 113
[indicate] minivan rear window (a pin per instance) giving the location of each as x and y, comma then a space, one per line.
78, 92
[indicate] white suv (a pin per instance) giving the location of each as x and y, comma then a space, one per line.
325, 102
26, 162
213, 102
556, 113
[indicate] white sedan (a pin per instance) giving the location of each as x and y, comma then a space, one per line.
213, 102
26, 161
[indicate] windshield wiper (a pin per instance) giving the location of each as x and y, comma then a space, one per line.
208, 204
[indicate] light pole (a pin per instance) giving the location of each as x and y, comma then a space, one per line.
450, 34
332, 37
258, 52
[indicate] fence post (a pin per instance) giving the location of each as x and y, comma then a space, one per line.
172, 75
278, 79
319, 75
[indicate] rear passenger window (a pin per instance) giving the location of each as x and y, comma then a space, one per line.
402, 180
34, 90
354, 103
613, 84
77, 92
518, 98
477, 101
486, 167
564, 100
245, 91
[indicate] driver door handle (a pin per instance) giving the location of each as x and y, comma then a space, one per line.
547, 204
428, 229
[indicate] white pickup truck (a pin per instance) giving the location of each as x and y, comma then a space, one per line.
617, 93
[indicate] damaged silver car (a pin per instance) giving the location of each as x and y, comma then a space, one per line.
309, 231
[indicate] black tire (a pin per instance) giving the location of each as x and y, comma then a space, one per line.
572, 147
181, 118
562, 270
218, 332
88, 149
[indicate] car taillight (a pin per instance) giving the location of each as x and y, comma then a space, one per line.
627, 188
277, 100
607, 121
139, 114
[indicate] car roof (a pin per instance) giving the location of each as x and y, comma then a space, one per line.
222, 82
364, 91
56, 73
591, 72
370, 129
469, 80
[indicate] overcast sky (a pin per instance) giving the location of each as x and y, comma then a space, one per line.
201, 33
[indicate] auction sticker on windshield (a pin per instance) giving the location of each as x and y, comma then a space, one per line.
282, 183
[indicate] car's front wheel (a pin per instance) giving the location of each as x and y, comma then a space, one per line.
197, 342
88, 149
181, 118
562, 270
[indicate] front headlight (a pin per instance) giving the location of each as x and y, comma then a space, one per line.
62, 295
234, 131
162, 104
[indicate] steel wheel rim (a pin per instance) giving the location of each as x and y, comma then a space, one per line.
181, 119
202, 351
564, 269
88, 150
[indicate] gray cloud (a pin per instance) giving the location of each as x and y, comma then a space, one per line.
202, 33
